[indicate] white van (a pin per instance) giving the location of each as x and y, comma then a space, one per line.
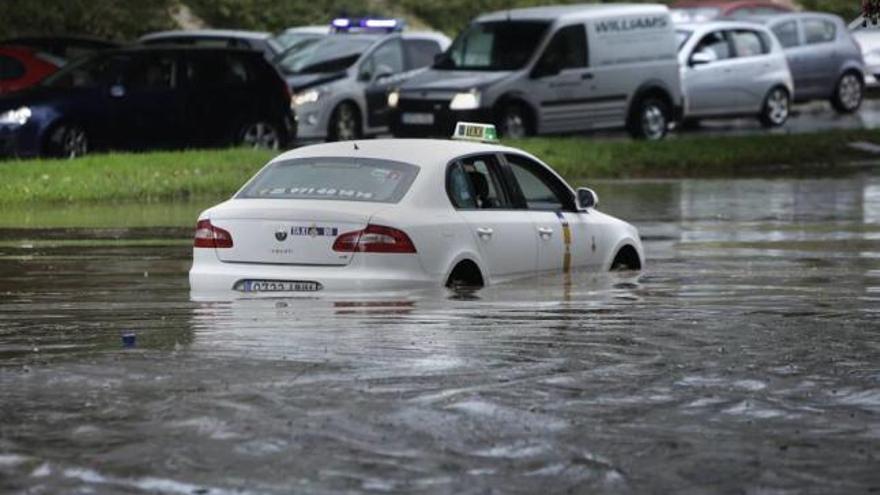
557, 69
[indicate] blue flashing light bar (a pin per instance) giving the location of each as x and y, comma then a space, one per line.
366, 24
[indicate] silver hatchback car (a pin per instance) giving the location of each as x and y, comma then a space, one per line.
733, 69
825, 61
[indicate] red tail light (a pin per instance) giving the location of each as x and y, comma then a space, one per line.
374, 239
209, 236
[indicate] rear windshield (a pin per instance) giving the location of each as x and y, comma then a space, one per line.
341, 179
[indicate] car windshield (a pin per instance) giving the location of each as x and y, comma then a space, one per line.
695, 14
682, 35
341, 179
91, 72
490, 46
327, 54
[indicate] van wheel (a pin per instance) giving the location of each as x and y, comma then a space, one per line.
848, 93
649, 119
345, 123
260, 134
513, 122
68, 141
776, 109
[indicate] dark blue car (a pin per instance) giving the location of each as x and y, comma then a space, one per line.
156, 97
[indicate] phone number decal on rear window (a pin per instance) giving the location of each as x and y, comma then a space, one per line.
324, 192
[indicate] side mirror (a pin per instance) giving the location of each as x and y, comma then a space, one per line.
703, 57
587, 198
117, 91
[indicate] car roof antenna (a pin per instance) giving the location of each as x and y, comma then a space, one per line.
355, 146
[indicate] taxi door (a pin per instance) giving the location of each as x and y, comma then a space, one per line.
504, 236
564, 235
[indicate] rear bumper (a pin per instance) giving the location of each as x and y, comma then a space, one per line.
365, 272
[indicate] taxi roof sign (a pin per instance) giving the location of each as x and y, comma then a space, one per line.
471, 131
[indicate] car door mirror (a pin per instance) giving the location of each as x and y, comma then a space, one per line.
703, 57
587, 198
117, 91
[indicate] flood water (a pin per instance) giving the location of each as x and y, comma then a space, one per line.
745, 358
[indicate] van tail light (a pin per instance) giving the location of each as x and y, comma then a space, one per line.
374, 239
209, 236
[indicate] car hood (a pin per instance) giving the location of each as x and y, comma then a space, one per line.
304, 81
433, 79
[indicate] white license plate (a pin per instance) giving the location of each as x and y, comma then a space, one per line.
418, 118
279, 286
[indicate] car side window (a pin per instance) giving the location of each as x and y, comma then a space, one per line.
819, 31
420, 53
10, 68
715, 43
473, 182
217, 71
540, 190
747, 43
787, 33
388, 57
152, 72
566, 50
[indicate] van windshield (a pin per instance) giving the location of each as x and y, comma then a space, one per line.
490, 46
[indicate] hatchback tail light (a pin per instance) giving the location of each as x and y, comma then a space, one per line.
374, 239
209, 236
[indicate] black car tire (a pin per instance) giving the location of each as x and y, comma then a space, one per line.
649, 119
776, 108
848, 93
67, 141
514, 121
260, 134
345, 123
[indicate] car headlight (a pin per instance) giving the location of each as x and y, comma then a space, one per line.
393, 99
307, 96
19, 116
465, 101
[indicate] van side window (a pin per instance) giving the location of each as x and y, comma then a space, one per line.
787, 33
540, 189
819, 31
747, 43
715, 43
566, 50
480, 174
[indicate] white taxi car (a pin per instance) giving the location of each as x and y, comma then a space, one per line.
404, 213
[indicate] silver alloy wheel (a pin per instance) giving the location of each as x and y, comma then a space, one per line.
514, 124
346, 123
849, 91
260, 135
653, 121
777, 106
74, 142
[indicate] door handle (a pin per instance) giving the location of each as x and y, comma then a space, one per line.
586, 76
545, 232
484, 232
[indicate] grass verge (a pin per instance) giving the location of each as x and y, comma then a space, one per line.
163, 176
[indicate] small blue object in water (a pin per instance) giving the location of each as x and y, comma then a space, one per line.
129, 339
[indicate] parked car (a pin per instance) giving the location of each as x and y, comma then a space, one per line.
22, 67
826, 62
260, 41
341, 81
66, 48
533, 71
734, 69
692, 11
867, 35
404, 214
148, 97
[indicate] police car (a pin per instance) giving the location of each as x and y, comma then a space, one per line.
405, 213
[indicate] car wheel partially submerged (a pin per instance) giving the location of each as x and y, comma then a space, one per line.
260, 135
776, 109
68, 141
848, 94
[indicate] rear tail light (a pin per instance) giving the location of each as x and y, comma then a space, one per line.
209, 236
374, 239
